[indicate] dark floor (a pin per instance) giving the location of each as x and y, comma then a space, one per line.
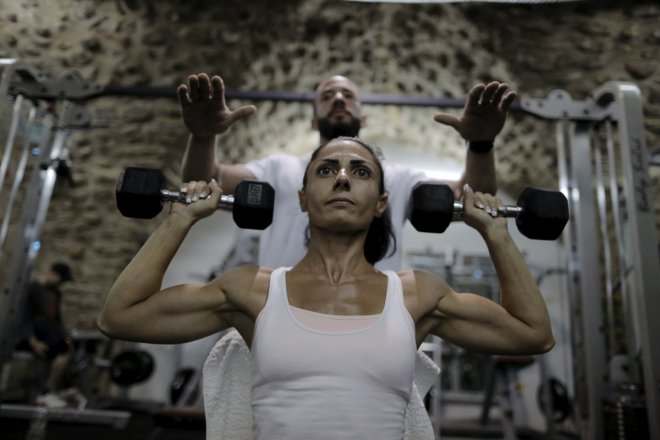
143, 427
153, 422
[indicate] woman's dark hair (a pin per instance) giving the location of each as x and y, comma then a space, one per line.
380, 232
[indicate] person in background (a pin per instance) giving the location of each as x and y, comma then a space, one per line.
42, 331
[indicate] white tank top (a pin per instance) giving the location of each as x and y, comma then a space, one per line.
313, 384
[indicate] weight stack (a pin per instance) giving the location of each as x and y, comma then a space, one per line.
626, 418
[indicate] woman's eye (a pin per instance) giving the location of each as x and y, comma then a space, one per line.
363, 172
324, 171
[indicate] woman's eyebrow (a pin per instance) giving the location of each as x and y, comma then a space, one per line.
360, 162
353, 162
330, 161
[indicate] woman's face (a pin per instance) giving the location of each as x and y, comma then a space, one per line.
342, 191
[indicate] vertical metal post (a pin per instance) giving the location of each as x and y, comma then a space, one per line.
11, 138
640, 242
584, 275
607, 252
18, 176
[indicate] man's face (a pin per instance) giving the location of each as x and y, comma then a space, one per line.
52, 278
337, 109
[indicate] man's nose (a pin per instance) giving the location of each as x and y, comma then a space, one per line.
342, 181
338, 97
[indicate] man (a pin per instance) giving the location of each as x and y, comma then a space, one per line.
42, 330
337, 112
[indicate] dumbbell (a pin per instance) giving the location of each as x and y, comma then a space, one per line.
540, 214
141, 193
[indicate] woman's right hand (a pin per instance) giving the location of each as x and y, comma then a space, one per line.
202, 199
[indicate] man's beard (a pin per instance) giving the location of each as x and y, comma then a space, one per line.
329, 131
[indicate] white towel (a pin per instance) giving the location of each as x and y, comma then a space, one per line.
227, 385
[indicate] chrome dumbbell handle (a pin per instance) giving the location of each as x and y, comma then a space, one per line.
177, 196
503, 211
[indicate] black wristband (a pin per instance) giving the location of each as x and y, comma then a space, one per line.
480, 147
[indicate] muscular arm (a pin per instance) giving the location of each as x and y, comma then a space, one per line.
519, 324
137, 309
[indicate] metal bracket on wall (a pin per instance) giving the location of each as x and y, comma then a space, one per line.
36, 85
560, 105
20, 79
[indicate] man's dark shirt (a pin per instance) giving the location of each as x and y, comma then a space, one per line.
42, 318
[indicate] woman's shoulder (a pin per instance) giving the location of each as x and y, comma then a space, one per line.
414, 276
243, 278
251, 273
246, 285
422, 284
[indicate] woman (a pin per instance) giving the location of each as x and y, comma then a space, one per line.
333, 340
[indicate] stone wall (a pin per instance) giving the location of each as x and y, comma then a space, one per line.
424, 49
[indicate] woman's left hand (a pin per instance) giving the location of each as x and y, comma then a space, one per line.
480, 211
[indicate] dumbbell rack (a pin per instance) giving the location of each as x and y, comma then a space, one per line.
611, 237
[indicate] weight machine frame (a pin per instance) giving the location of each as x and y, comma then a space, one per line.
636, 241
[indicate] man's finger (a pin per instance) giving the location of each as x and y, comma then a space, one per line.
475, 95
204, 87
218, 90
447, 119
184, 98
193, 88
489, 91
497, 97
242, 113
508, 100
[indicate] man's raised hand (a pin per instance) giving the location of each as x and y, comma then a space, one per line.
484, 113
203, 106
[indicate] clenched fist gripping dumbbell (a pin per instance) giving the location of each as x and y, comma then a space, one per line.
141, 193
540, 214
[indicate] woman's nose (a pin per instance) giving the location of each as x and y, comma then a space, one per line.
342, 181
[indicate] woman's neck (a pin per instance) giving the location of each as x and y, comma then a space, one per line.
338, 258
